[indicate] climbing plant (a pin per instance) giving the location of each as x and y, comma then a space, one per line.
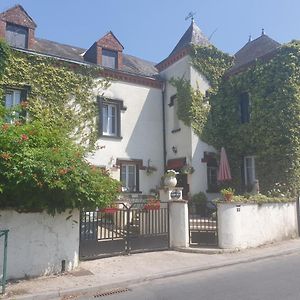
193, 105
42, 156
272, 134
60, 94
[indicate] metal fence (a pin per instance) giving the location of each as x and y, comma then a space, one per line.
4, 235
127, 228
203, 228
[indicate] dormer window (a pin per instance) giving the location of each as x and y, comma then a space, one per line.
109, 59
16, 36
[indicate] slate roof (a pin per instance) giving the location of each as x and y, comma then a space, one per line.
258, 48
194, 36
131, 64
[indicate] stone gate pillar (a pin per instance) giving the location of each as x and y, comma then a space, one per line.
178, 216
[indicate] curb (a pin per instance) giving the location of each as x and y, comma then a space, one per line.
123, 284
207, 250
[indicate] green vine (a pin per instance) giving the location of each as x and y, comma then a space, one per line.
60, 94
193, 106
4, 55
272, 134
41, 165
212, 63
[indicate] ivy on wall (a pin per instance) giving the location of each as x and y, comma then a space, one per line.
273, 133
193, 105
60, 94
41, 165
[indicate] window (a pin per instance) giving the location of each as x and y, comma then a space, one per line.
212, 174
245, 108
175, 116
109, 59
174, 104
110, 117
249, 170
129, 177
14, 98
17, 36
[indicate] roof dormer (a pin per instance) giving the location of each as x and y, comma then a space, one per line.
17, 27
106, 52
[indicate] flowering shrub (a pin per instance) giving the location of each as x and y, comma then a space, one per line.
41, 168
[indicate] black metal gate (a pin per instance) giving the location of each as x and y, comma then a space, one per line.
203, 227
126, 229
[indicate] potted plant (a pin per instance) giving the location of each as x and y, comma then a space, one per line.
170, 178
150, 170
187, 169
152, 204
110, 209
227, 194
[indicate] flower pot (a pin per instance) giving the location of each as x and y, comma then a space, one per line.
152, 206
109, 210
170, 181
228, 197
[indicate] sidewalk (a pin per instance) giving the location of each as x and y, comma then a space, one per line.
118, 272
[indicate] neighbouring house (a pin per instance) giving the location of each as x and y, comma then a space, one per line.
140, 134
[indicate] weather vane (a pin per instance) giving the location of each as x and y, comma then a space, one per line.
190, 16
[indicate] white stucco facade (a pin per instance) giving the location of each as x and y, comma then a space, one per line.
250, 225
39, 243
142, 130
185, 141
141, 133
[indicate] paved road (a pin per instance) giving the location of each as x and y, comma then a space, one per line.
270, 279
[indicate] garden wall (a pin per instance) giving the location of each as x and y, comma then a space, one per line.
250, 225
39, 243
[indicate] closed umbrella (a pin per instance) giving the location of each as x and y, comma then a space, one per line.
224, 169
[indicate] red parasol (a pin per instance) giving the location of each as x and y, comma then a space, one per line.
224, 169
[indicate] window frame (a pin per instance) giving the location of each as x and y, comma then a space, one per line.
119, 107
176, 122
138, 165
110, 54
212, 164
245, 107
9, 28
212, 186
23, 97
246, 179
110, 121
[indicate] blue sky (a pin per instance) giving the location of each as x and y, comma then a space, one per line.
150, 29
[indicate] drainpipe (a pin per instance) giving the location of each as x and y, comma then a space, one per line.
164, 124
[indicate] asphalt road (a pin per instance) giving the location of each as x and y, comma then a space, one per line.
269, 279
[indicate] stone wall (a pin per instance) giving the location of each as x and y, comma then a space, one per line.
40, 244
251, 225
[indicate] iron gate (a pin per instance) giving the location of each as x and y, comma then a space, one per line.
203, 227
126, 229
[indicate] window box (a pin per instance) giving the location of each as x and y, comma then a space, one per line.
152, 204
109, 210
